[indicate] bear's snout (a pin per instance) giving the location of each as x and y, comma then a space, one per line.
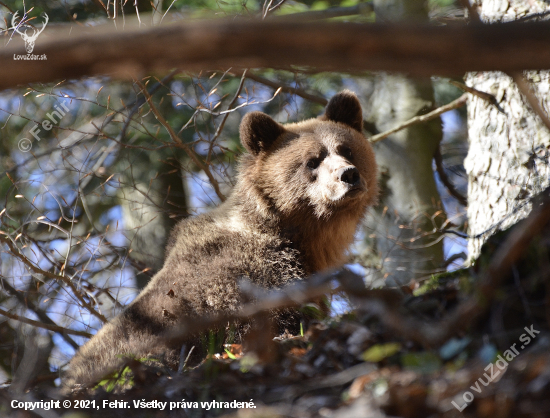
349, 175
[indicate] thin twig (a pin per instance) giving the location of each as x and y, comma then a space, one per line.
43, 316
298, 92
288, 297
55, 328
248, 103
225, 116
267, 5
66, 280
481, 94
277, 6
287, 89
141, 101
445, 179
178, 142
182, 367
455, 104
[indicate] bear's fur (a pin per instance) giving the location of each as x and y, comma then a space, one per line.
301, 192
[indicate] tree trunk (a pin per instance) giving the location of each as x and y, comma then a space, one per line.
409, 196
507, 162
150, 190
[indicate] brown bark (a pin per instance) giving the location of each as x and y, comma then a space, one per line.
421, 50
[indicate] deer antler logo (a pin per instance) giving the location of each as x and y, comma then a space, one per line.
29, 40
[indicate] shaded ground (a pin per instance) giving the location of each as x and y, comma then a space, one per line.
473, 343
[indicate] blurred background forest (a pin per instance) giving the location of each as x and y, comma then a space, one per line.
86, 206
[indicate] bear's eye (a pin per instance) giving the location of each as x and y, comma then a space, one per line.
313, 163
346, 153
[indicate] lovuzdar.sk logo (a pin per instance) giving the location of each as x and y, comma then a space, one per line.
22, 28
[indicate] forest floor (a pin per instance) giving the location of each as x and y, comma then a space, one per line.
471, 343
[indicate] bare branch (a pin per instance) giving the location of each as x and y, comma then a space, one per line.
55, 328
416, 49
481, 94
66, 280
190, 152
225, 116
287, 89
445, 179
290, 296
455, 104
38, 312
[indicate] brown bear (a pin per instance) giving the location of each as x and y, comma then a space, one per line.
301, 192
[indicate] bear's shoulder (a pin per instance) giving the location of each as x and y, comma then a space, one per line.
219, 242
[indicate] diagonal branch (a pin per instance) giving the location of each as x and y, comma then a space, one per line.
481, 94
287, 89
43, 316
179, 143
225, 116
50, 327
524, 87
15, 251
455, 104
445, 179
386, 303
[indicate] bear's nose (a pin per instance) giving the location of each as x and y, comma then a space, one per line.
349, 175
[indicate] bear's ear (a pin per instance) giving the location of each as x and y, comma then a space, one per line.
258, 132
345, 107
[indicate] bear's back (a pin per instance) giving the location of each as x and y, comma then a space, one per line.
207, 257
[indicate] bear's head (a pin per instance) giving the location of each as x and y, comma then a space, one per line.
320, 167
311, 180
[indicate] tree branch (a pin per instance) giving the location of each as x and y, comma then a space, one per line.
287, 89
386, 303
420, 50
481, 94
445, 179
525, 89
455, 104
15, 251
224, 118
188, 150
55, 328
43, 316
